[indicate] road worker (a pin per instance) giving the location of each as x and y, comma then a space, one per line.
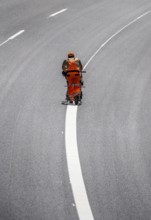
72, 71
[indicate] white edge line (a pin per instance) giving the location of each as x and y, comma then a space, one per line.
12, 37
114, 35
74, 167
16, 35
56, 13
4, 42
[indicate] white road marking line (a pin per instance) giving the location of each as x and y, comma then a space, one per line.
73, 160
4, 42
114, 35
12, 37
16, 35
75, 173
56, 13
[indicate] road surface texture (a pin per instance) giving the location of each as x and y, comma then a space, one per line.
113, 124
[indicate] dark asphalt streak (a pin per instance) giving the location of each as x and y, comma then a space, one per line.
113, 141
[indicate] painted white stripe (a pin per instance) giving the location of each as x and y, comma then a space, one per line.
74, 167
114, 35
12, 37
16, 35
56, 13
4, 42
75, 173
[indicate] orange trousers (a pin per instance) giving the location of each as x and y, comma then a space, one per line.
73, 84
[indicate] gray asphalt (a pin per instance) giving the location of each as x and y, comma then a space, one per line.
113, 122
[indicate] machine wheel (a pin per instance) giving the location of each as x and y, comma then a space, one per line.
76, 100
81, 95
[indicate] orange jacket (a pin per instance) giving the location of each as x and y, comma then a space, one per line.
72, 69
72, 64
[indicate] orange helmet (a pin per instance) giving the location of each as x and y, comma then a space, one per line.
71, 55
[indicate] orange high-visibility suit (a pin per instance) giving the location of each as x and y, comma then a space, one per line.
73, 75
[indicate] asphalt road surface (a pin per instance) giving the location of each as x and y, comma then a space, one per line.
113, 124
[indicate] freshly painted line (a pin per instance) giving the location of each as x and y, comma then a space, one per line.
56, 13
74, 167
12, 37
75, 172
